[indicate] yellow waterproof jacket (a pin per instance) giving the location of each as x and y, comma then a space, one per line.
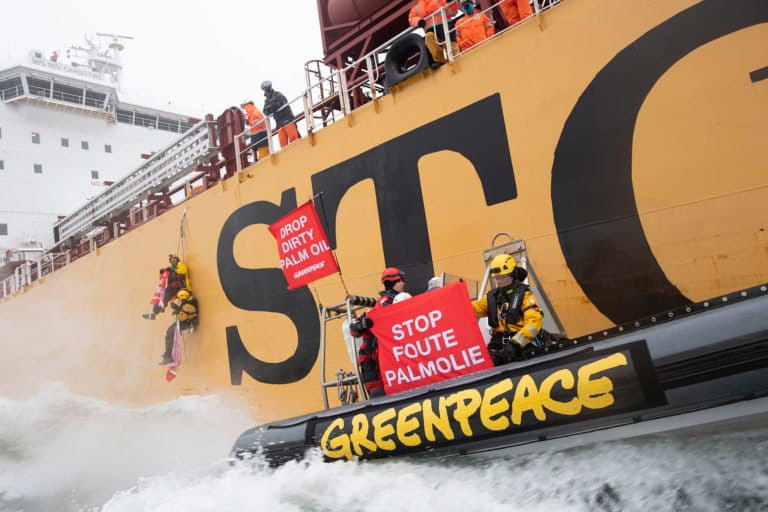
527, 326
180, 276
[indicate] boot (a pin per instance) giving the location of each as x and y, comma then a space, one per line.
148, 316
435, 50
166, 360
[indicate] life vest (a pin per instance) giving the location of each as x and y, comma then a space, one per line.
255, 118
423, 8
471, 29
187, 310
514, 305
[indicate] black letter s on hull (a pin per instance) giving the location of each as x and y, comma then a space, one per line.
265, 290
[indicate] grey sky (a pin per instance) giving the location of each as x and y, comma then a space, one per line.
187, 56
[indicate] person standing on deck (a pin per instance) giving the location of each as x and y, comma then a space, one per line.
276, 105
472, 28
258, 129
515, 10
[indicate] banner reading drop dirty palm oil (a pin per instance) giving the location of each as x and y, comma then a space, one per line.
305, 254
429, 338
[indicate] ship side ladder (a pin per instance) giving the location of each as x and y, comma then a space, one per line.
517, 249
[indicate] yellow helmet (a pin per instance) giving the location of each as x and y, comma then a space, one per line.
502, 264
183, 294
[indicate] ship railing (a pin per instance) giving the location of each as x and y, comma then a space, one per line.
165, 167
244, 144
31, 271
11, 93
328, 100
45, 92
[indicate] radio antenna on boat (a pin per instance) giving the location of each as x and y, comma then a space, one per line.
107, 61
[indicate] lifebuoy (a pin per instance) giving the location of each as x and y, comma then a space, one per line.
398, 64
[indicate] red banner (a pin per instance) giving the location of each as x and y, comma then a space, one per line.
430, 338
173, 368
305, 254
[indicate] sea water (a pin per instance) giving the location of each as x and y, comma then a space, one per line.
64, 452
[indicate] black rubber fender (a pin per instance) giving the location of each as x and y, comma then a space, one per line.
394, 64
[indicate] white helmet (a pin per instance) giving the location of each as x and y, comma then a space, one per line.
245, 102
401, 297
435, 283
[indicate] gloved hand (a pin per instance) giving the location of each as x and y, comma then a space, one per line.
511, 352
174, 306
422, 23
365, 322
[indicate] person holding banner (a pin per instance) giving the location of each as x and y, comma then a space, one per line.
393, 280
186, 310
513, 313
177, 279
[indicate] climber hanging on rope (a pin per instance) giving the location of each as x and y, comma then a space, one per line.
173, 278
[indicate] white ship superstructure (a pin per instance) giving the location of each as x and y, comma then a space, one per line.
65, 134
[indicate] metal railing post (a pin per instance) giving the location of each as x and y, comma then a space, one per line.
371, 79
308, 119
537, 11
270, 142
237, 153
344, 91
40, 268
446, 34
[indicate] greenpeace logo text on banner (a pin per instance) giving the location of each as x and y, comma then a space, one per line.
305, 254
429, 338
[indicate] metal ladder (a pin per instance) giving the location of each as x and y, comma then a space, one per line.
348, 383
517, 249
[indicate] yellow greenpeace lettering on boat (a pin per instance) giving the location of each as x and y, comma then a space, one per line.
474, 412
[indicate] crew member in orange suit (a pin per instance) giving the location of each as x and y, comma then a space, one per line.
258, 130
421, 16
515, 10
472, 28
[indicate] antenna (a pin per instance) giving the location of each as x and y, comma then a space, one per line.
115, 44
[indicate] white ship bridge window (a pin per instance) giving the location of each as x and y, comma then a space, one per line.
38, 168
107, 148
11, 88
84, 144
39, 87
3, 229
35, 138
64, 142
94, 175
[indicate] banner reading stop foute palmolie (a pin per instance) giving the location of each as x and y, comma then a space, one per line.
429, 338
305, 254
